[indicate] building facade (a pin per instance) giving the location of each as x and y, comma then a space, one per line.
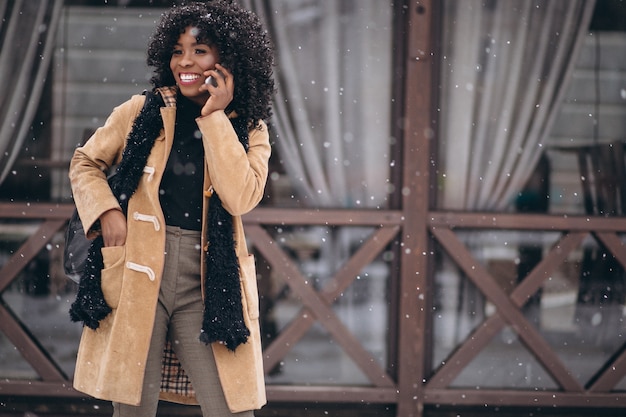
443, 226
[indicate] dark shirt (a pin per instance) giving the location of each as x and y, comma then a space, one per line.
180, 192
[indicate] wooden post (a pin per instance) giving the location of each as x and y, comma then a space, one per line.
415, 291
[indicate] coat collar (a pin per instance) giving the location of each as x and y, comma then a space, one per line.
168, 113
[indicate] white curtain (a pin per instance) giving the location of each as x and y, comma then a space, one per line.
333, 102
505, 69
28, 28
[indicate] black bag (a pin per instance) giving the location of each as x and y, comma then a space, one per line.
76, 247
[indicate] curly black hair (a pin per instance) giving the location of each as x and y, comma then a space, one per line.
244, 47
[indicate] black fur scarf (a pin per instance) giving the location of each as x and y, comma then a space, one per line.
223, 312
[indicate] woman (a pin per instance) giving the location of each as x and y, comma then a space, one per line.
168, 296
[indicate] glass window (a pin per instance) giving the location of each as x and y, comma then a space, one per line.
38, 301
533, 103
100, 61
332, 149
333, 104
577, 308
586, 145
361, 306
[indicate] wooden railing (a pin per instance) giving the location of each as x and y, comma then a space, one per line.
53, 218
317, 305
384, 386
599, 390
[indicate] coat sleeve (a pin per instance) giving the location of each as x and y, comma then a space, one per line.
91, 162
237, 176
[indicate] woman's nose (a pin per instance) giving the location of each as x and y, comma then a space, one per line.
186, 61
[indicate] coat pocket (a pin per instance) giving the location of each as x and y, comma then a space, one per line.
249, 286
112, 274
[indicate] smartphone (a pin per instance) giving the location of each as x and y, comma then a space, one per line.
211, 80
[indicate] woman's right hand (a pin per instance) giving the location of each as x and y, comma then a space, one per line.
221, 94
113, 224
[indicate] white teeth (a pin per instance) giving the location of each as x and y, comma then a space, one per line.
189, 77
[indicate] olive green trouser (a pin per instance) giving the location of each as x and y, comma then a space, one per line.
179, 317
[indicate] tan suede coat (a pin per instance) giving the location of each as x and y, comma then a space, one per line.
111, 360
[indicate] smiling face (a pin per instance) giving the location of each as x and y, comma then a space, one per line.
189, 61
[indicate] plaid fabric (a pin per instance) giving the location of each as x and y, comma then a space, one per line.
169, 95
173, 377
174, 380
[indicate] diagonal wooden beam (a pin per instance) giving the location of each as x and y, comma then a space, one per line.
10, 326
555, 257
614, 370
285, 267
614, 244
28, 347
365, 255
27, 252
610, 374
287, 339
298, 327
490, 328
509, 312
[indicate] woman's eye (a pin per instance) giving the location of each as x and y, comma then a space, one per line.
176, 52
